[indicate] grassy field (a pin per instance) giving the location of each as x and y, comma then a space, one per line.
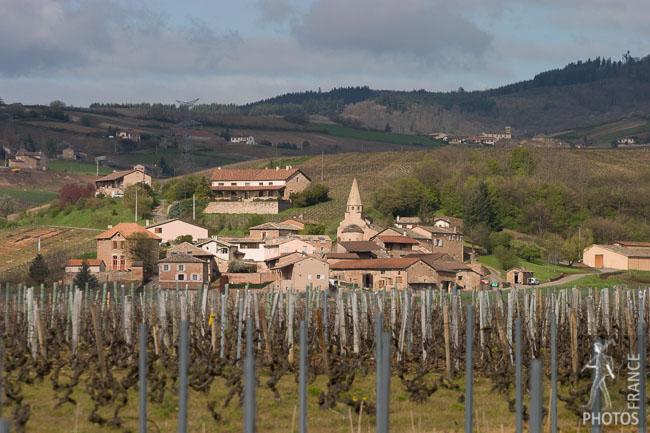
442, 412
31, 196
76, 167
631, 279
542, 272
604, 133
386, 137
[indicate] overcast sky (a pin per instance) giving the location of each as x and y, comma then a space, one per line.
238, 51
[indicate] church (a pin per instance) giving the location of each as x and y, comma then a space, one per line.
354, 226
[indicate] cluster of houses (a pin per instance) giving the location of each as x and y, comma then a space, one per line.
486, 138
408, 254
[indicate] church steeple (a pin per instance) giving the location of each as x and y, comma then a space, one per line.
354, 199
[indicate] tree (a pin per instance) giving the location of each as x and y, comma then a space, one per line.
72, 192
85, 277
482, 209
51, 146
38, 269
143, 248
202, 190
237, 266
573, 246
521, 162
7, 205
388, 128
182, 238
145, 199
506, 257
164, 167
313, 229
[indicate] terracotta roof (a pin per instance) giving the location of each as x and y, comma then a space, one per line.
627, 252
276, 226
397, 239
187, 249
631, 244
116, 175
218, 241
359, 246
181, 258
247, 188
395, 263
126, 230
78, 262
342, 256
264, 174
408, 220
292, 259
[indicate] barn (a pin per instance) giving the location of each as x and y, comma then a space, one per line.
619, 255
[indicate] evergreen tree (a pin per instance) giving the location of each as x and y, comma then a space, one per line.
84, 276
482, 210
38, 270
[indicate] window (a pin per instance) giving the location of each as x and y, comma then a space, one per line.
261, 183
165, 267
221, 183
270, 183
114, 262
320, 277
122, 244
440, 242
114, 245
180, 267
247, 184
122, 263
195, 277
460, 277
158, 230
233, 183
180, 277
398, 280
304, 249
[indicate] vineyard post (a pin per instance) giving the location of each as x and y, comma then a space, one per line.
409, 321
239, 325
250, 404
325, 321
596, 426
40, 333
7, 307
641, 341
183, 362
384, 409
307, 291
302, 426
40, 304
450, 368
379, 355
5, 425
481, 304
393, 311
290, 317
256, 313
423, 323
518, 385
574, 340
469, 370
355, 321
127, 320
222, 331
142, 412
553, 373
536, 396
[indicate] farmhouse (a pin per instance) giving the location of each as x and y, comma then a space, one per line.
73, 267
221, 250
272, 230
181, 270
266, 183
441, 240
128, 134
171, 229
299, 271
188, 249
112, 246
68, 153
246, 139
401, 273
115, 183
619, 255
29, 160
282, 246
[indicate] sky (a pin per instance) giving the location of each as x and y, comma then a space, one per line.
240, 51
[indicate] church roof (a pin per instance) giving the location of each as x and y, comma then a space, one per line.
354, 198
352, 228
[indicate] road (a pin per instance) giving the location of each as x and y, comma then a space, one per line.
564, 280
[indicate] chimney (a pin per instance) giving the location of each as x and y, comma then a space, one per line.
288, 167
218, 168
146, 223
277, 168
110, 226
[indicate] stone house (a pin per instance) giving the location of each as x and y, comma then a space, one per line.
181, 270
406, 222
128, 134
171, 229
364, 249
69, 153
222, 252
114, 184
73, 267
441, 240
618, 255
518, 275
29, 160
332, 258
298, 271
322, 243
250, 249
401, 273
112, 246
272, 230
396, 246
188, 249
281, 246
258, 184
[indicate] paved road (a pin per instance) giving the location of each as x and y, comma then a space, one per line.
564, 280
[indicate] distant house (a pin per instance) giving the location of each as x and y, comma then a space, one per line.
114, 184
182, 271
68, 153
258, 184
618, 255
128, 134
364, 249
246, 139
274, 248
322, 244
406, 222
626, 140
299, 271
29, 160
188, 249
222, 251
396, 246
441, 240
272, 230
73, 267
251, 249
506, 135
171, 229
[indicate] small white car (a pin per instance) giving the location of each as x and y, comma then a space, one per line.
117, 194
532, 281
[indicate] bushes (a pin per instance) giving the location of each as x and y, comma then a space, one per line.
313, 195
72, 192
506, 257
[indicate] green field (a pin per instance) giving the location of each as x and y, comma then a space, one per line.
32, 196
604, 133
76, 167
385, 137
542, 272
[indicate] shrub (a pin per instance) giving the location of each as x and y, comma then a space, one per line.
506, 257
72, 192
237, 266
313, 195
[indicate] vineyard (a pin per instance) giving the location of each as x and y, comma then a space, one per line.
72, 360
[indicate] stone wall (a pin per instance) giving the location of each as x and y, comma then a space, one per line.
250, 278
247, 207
136, 275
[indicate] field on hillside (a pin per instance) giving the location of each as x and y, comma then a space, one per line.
77, 167
386, 137
603, 134
58, 244
29, 196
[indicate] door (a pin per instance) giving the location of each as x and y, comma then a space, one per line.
599, 261
122, 263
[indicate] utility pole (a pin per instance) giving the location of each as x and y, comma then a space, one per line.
136, 202
322, 164
97, 161
193, 206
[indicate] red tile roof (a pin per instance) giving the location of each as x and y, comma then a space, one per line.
126, 230
359, 246
396, 263
342, 256
397, 239
631, 244
78, 262
247, 188
265, 174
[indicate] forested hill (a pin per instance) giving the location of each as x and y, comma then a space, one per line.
581, 93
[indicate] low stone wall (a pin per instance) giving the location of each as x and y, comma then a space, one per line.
248, 206
134, 275
250, 278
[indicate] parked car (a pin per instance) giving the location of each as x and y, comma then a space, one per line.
532, 281
117, 194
